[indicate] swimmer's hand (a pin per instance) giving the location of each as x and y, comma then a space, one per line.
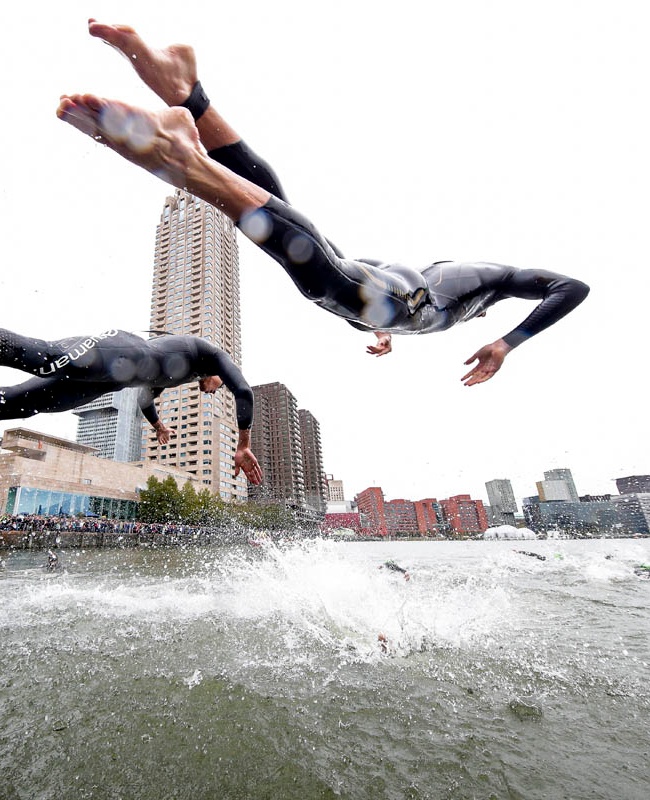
245, 460
163, 434
490, 358
383, 345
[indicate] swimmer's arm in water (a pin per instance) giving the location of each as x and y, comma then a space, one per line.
383, 346
146, 401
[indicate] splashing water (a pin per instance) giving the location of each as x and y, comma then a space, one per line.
258, 671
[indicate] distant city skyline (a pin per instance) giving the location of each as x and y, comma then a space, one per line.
638, 483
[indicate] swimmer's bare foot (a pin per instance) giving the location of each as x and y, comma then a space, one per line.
169, 72
164, 142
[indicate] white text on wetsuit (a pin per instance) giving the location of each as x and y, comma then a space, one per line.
73, 355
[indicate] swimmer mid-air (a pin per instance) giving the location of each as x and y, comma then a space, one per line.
73, 371
206, 157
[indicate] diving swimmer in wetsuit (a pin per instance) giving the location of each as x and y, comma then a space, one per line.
71, 372
370, 295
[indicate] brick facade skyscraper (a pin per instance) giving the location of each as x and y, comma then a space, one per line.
276, 441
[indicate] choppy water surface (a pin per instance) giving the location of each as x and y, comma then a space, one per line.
256, 672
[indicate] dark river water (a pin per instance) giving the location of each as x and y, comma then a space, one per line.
256, 672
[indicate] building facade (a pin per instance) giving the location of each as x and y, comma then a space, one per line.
335, 491
430, 516
633, 484
370, 503
501, 498
277, 444
633, 512
196, 291
566, 477
112, 424
380, 517
464, 515
586, 518
312, 462
42, 474
552, 491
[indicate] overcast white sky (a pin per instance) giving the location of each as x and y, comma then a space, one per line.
501, 131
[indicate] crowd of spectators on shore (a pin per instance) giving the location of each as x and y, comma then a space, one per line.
37, 523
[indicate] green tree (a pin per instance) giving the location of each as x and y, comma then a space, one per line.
267, 516
160, 502
190, 510
150, 500
165, 502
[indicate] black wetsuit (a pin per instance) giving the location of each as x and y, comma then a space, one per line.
74, 371
395, 567
372, 295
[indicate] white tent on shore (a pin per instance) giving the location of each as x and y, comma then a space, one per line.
508, 532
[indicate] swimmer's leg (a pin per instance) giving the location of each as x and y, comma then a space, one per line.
166, 143
45, 395
24, 352
357, 291
171, 73
307, 257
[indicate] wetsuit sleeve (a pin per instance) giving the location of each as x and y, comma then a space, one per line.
222, 365
559, 294
146, 401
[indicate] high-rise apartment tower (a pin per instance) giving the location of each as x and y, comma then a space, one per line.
312, 462
113, 424
277, 443
196, 291
502, 501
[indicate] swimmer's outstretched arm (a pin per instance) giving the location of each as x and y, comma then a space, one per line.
559, 294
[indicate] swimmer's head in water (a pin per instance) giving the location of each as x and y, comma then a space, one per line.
210, 384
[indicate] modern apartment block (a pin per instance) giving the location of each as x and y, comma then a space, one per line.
312, 462
502, 501
464, 515
112, 424
335, 490
380, 517
276, 441
196, 291
371, 505
633, 484
566, 477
